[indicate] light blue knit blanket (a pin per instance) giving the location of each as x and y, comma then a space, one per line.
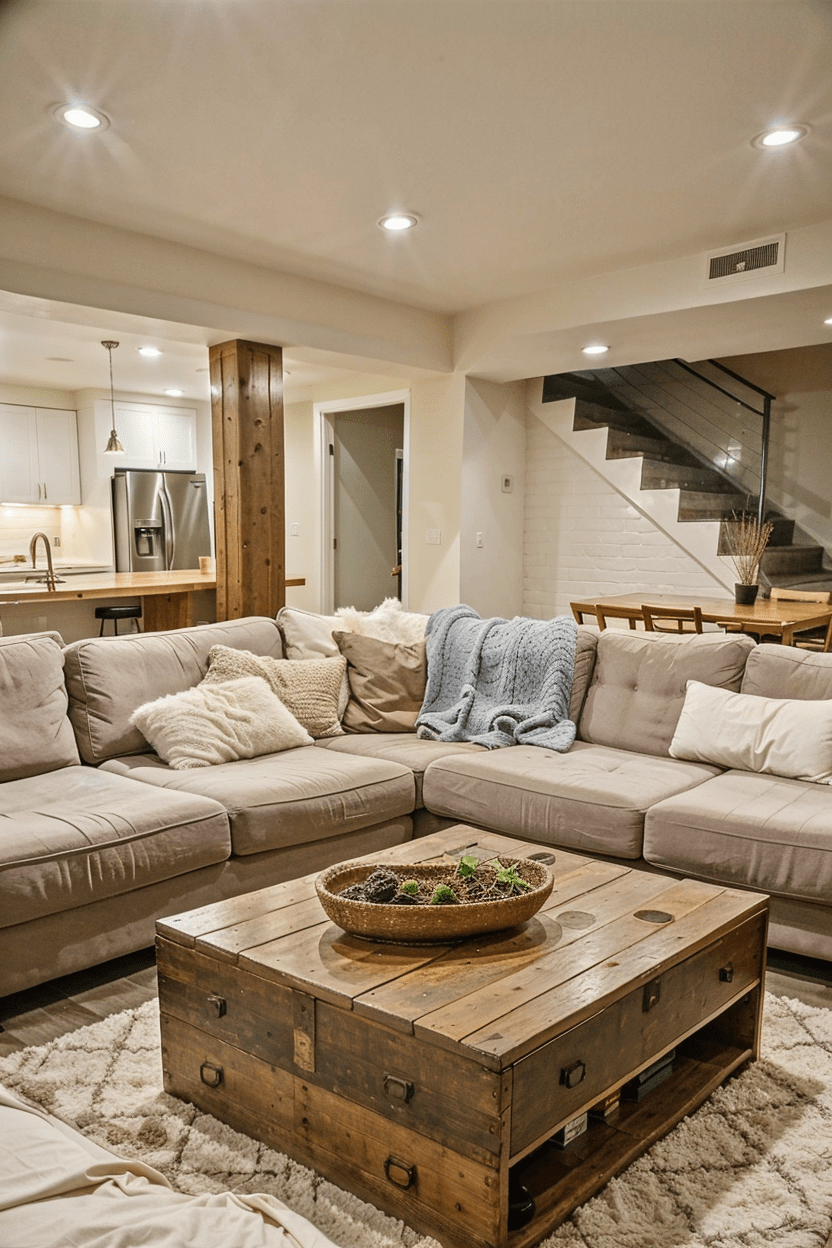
498, 682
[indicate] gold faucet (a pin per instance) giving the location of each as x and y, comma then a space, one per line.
50, 574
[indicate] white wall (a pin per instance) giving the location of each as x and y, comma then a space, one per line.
583, 539
491, 575
435, 470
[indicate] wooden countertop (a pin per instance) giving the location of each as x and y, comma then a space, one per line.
117, 585
111, 585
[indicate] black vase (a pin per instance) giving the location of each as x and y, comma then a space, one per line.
745, 595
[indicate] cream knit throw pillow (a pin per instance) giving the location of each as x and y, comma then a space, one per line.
308, 687
217, 723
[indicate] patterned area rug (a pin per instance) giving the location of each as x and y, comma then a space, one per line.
752, 1167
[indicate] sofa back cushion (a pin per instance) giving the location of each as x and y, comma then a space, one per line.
586, 644
35, 733
638, 684
785, 672
109, 677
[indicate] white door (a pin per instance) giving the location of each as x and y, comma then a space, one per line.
58, 455
137, 434
19, 477
176, 438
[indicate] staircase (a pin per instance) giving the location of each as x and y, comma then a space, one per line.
620, 400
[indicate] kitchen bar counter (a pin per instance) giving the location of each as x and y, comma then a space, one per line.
165, 596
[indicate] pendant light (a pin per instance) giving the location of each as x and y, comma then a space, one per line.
113, 446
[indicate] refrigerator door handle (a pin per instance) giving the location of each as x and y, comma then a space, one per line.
170, 544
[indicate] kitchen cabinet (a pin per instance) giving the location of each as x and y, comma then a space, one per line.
39, 463
156, 437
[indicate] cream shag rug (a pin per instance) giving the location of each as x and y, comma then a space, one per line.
752, 1167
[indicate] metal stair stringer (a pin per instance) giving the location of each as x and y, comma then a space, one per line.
660, 506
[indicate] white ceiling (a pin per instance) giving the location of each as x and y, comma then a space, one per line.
541, 142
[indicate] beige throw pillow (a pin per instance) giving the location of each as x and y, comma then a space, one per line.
310, 688
387, 683
779, 736
217, 723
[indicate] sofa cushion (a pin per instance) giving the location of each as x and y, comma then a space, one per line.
774, 671
387, 683
639, 681
591, 798
586, 645
78, 835
310, 689
782, 736
288, 799
741, 828
306, 634
109, 677
35, 733
404, 748
217, 723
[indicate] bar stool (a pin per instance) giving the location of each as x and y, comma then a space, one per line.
131, 611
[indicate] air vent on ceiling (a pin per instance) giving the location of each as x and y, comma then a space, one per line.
763, 255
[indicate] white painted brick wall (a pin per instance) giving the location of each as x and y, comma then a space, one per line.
582, 539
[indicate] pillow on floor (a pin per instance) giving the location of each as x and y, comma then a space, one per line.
387, 683
310, 688
783, 737
217, 723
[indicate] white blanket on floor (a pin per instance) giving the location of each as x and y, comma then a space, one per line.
58, 1188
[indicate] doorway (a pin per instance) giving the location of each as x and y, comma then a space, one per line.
365, 485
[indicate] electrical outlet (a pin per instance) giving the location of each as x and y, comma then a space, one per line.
479, 541
57, 540
507, 483
433, 537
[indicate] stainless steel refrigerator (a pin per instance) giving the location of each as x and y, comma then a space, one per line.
160, 520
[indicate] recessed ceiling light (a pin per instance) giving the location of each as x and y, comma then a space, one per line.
395, 222
780, 136
175, 394
149, 351
81, 117
828, 320
596, 348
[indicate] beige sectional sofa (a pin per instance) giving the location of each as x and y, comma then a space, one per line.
99, 837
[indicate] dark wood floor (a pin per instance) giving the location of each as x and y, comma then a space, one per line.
50, 1010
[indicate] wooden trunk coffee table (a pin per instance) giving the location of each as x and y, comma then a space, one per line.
425, 1078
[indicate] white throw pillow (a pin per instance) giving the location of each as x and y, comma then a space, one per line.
783, 737
217, 723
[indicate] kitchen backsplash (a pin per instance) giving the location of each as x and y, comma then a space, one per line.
18, 524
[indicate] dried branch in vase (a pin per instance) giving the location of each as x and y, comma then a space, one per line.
746, 540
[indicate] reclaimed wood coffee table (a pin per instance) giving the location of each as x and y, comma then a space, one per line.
430, 1079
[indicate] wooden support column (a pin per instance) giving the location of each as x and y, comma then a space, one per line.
247, 419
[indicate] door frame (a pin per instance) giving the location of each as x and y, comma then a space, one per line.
324, 413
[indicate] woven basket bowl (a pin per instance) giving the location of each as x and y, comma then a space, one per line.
426, 925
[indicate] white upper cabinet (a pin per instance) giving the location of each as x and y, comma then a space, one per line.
39, 460
156, 437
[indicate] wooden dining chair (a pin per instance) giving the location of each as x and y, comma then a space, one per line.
810, 638
633, 615
681, 617
580, 609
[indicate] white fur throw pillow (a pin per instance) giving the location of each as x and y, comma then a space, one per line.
387, 622
780, 736
217, 723
310, 688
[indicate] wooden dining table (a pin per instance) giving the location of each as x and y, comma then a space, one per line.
774, 618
